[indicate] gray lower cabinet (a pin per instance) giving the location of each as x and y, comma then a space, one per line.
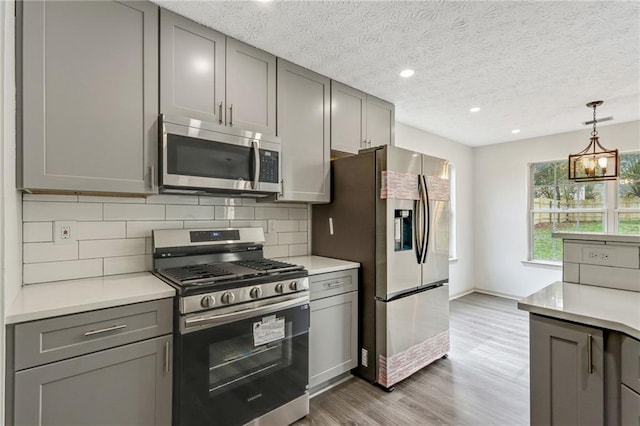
630, 387
208, 76
567, 373
111, 366
333, 333
87, 96
359, 120
127, 385
303, 125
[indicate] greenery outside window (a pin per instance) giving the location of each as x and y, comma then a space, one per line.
557, 204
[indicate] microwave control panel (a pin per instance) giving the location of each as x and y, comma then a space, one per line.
269, 166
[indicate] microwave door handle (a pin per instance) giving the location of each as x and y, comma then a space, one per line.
256, 164
427, 221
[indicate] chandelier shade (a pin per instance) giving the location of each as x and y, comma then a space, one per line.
594, 162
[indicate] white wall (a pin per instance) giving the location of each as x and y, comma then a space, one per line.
500, 205
461, 156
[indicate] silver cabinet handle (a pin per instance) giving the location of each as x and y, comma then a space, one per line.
231, 115
369, 143
590, 353
105, 330
335, 283
220, 113
152, 177
167, 355
256, 164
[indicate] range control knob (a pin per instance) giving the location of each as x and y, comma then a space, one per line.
280, 288
207, 302
227, 297
255, 292
294, 286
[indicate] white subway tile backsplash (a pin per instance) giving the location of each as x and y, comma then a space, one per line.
127, 264
190, 212
271, 213
133, 212
282, 225
142, 229
111, 248
173, 199
292, 237
57, 271
101, 199
49, 252
37, 211
205, 224
33, 232
298, 250
276, 251
298, 214
100, 230
114, 233
232, 212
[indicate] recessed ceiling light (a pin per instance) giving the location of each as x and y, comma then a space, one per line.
407, 73
474, 109
514, 131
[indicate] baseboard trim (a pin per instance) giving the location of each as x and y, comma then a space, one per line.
497, 294
461, 294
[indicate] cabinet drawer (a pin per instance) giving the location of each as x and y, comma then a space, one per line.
631, 363
54, 339
333, 283
629, 407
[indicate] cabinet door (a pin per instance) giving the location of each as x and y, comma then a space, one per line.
192, 67
348, 118
565, 388
380, 122
128, 385
251, 88
333, 337
629, 407
303, 126
89, 95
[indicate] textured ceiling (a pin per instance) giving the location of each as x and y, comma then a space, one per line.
528, 65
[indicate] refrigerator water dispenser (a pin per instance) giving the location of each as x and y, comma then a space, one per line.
403, 230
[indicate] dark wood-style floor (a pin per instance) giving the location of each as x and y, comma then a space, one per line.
484, 381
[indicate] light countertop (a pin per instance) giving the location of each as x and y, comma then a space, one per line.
602, 307
38, 301
598, 236
320, 265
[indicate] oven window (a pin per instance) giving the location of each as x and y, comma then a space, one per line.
236, 361
196, 157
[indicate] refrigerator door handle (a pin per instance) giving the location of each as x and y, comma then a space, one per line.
417, 208
421, 220
427, 220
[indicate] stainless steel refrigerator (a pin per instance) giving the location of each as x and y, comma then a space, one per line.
390, 212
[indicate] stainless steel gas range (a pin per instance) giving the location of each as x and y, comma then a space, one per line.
241, 328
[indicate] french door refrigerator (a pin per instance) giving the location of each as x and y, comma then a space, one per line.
390, 213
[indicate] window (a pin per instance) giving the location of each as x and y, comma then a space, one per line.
557, 204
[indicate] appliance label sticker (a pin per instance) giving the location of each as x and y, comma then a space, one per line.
399, 186
268, 330
438, 188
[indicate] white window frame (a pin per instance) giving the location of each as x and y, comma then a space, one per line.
453, 249
616, 209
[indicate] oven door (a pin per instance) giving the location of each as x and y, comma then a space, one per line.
242, 365
196, 157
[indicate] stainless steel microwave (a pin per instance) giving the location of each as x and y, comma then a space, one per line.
197, 157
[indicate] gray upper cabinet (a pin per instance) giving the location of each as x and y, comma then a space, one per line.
359, 120
567, 373
208, 76
88, 95
303, 125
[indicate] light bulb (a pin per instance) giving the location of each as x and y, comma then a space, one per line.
602, 162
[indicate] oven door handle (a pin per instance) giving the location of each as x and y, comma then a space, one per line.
214, 320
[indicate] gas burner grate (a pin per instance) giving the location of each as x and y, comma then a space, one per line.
192, 273
267, 265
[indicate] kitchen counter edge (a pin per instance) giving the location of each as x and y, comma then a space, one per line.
47, 300
321, 265
601, 307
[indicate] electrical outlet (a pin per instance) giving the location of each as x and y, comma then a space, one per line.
64, 232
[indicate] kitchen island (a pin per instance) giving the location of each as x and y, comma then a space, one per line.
585, 335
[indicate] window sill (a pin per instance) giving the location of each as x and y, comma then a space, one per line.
543, 263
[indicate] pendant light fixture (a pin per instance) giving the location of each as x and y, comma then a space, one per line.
594, 162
